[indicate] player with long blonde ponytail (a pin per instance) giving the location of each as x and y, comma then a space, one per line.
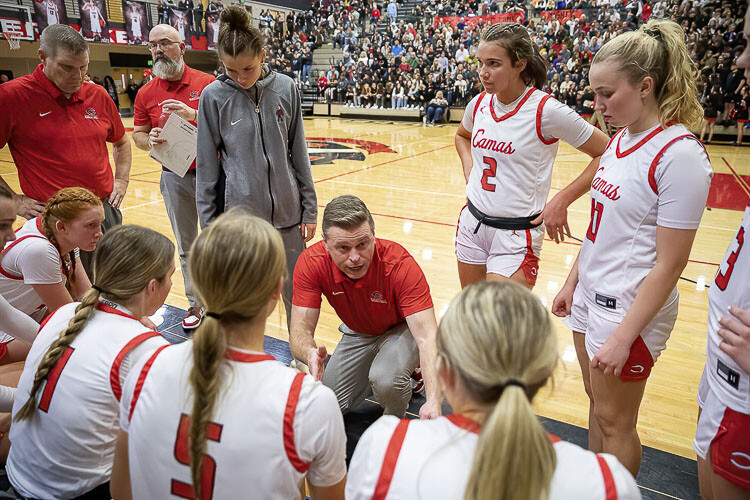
496, 349
647, 200
230, 416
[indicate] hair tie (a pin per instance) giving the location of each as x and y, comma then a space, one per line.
654, 33
213, 315
99, 289
514, 382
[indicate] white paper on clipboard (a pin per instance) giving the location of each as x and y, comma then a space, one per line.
178, 153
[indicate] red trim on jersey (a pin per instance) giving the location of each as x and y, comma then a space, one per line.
643, 141
4, 349
510, 113
465, 423
609, 481
52, 377
8, 274
111, 310
539, 110
114, 373
611, 140
476, 106
530, 264
553, 439
142, 379
247, 357
389, 462
291, 408
655, 163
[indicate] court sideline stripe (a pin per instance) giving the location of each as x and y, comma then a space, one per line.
384, 163
743, 184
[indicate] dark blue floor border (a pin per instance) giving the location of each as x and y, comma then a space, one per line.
662, 476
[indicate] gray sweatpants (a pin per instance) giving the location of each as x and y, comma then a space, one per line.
379, 365
293, 245
179, 199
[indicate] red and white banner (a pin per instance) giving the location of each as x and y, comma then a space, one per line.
472, 21
560, 15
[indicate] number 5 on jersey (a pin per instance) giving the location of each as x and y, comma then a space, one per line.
182, 454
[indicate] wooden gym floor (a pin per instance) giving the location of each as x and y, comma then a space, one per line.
410, 178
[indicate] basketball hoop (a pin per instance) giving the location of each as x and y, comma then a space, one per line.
13, 40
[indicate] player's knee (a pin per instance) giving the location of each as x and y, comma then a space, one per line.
612, 421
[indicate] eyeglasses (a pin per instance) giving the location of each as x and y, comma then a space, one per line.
163, 44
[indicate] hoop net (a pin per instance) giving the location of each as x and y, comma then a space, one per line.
13, 40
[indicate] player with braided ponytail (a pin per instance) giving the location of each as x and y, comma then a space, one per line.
67, 404
231, 417
41, 270
496, 349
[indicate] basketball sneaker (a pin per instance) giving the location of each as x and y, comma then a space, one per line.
192, 319
417, 383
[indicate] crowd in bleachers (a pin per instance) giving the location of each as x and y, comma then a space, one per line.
407, 63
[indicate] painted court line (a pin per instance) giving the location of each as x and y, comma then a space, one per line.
383, 163
743, 184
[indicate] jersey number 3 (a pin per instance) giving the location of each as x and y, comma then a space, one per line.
182, 454
597, 209
722, 279
488, 173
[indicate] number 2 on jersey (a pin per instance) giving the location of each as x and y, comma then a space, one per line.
722, 279
597, 209
182, 454
488, 173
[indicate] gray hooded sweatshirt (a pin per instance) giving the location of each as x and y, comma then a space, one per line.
262, 161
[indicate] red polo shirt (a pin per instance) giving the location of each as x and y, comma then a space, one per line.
58, 142
187, 90
393, 288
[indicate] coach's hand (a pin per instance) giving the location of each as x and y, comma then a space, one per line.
28, 208
183, 110
146, 321
430, 410
612, 356
153, 137
315, 359
118, 193
555, 218
563, 301
735, 335
308, 231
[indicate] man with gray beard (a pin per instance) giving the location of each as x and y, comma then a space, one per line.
176, 89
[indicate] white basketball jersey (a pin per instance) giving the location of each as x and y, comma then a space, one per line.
512, 161
272, 426
633, 190
67, 447
408, 459
94, 16
731, 287
14, 285
51, 13
135, 24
